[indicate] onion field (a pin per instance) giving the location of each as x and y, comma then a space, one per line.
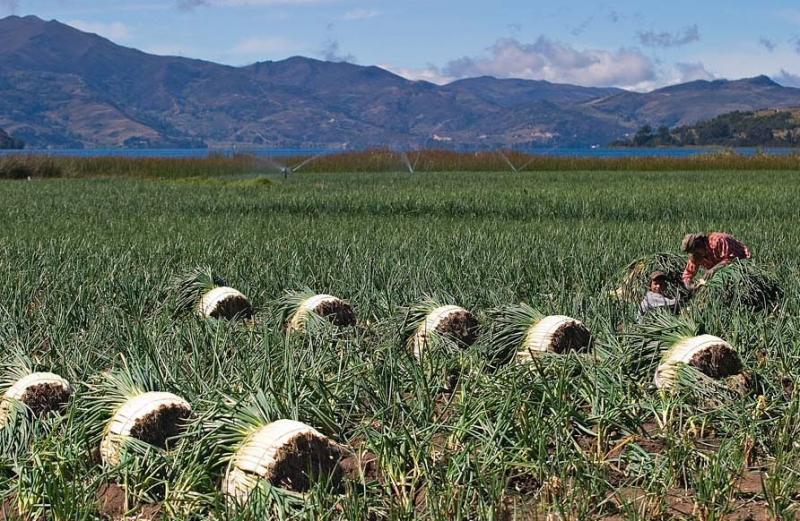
459, 429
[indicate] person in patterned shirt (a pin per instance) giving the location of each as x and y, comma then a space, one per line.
710, 251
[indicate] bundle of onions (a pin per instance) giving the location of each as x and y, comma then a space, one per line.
284, 453
740, 283
634, 278
431, 321
303, 310
525, 331
203, 291
129, 407
40, 393
678, 342
709, 354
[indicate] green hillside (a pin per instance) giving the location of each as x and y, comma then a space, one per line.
769, 128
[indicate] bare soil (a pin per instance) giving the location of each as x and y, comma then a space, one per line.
111, 504
356, 465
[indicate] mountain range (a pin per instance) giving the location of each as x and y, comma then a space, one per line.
61, 87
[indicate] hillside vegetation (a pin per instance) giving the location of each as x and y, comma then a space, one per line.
767, 128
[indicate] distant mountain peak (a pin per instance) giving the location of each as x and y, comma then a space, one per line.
761, 80
62, 87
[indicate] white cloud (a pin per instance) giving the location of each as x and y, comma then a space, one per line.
787, 79
549, 60
360, 14
116, 31
331, 52
691, 72
263, 46
430, 73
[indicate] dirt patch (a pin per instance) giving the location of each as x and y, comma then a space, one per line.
110, 500
524, 483
303, 459
788, 387
235, 307
571, 337
338, 313
461, 326
111, 504
150, 512
750, 483
742, 383
46, 397
718, 361
750, 511
160, 425
9, 512
355, 466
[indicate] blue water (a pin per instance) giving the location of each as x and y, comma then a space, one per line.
278, 152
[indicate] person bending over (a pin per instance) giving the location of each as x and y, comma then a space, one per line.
710, 251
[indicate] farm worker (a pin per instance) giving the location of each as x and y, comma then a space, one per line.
711, 251
654, 298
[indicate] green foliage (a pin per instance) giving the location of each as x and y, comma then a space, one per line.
190, 286
773, 128
741, 283
510, 325
85, 267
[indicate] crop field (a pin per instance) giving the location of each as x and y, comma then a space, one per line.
87, 278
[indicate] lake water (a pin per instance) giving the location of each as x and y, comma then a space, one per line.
278, 152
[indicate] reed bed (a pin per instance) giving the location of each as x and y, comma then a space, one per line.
244, 165
86, 274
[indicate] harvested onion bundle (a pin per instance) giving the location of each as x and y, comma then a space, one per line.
128, 407
283, 452
39, 392
674, 342
303, 310
258, 449
430, 322
525, 331
740, 283
208, 295
710, 355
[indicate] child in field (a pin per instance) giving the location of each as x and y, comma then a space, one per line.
654, 299
710, 251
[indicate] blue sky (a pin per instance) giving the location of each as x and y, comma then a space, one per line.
633, 44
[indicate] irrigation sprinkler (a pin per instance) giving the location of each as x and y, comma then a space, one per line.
507, 160
303, 163
286, 169
404, 157
412, 167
